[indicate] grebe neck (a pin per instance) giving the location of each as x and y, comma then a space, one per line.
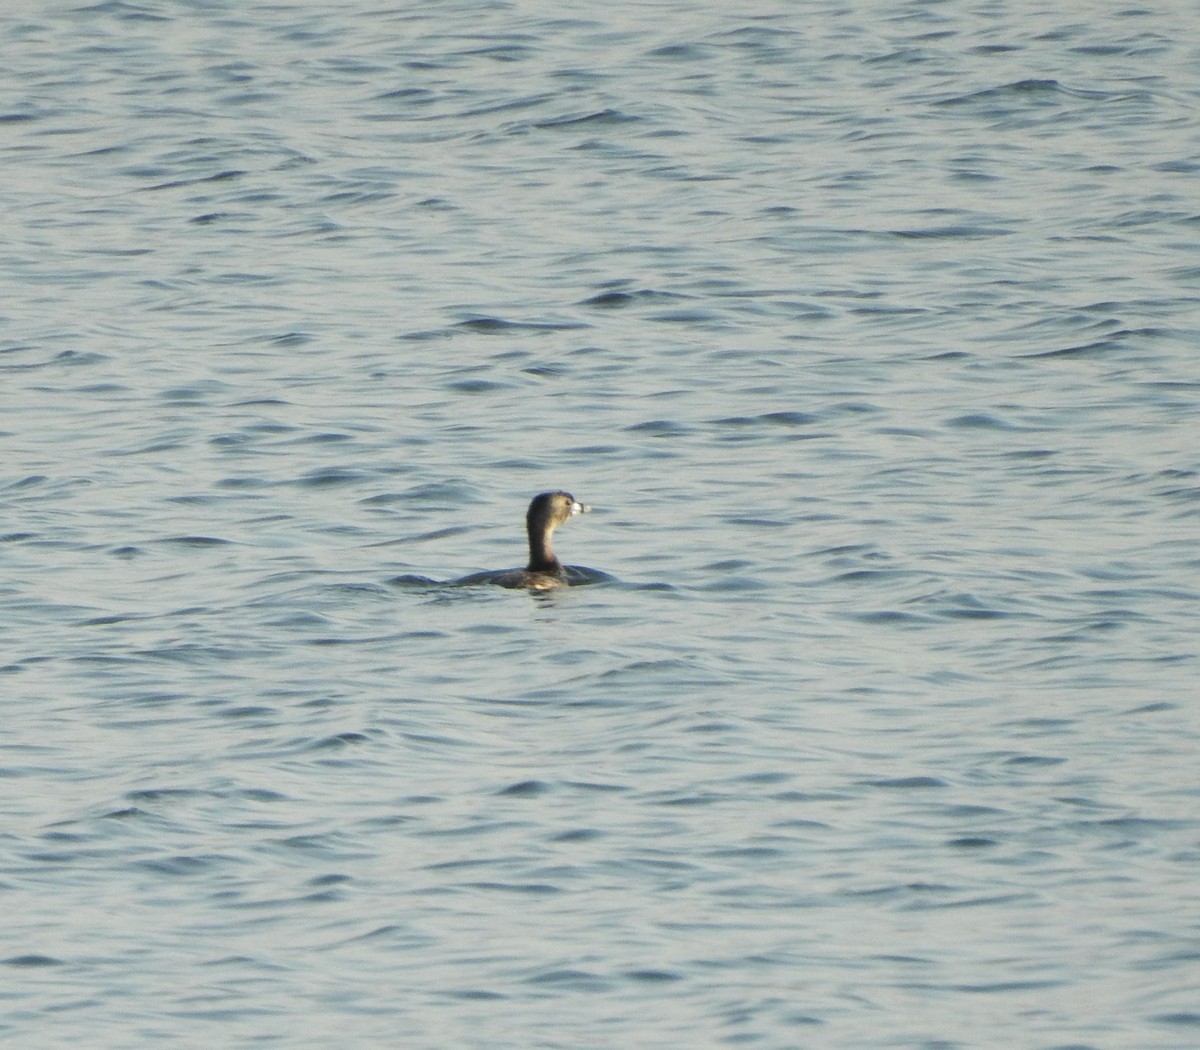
541, 553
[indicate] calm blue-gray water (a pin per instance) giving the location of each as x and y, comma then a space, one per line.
869, 331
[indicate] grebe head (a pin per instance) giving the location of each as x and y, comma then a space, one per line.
553, 508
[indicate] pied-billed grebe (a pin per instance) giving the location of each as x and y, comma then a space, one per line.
544, 571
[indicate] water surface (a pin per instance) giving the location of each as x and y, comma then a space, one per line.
870, 335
